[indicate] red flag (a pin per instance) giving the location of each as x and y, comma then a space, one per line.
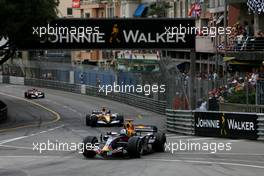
191, 10
195, 10
76, 3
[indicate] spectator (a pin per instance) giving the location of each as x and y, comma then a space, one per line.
261, 72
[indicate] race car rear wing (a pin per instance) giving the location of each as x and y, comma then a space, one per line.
145, 128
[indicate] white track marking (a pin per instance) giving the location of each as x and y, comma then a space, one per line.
23, 137
36, 157
16, 147
208, 162
219, 153
220, 159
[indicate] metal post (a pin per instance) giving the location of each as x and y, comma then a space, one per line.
192, 81
225, 23
247, 93
257, 87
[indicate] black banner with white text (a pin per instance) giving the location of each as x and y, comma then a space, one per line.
119, 33
227, 125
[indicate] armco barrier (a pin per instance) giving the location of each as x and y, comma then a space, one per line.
16, 80
261, 127
130, 99
54, 85
180, 122
183, 122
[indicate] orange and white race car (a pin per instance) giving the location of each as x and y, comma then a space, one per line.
104, 118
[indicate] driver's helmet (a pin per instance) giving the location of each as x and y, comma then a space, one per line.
103, 109
123, 132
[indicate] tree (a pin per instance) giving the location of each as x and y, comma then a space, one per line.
17, 17
158, 9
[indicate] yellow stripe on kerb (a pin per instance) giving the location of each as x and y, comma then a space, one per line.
57, 116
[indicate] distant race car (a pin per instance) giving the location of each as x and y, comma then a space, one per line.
104, 117
34, 93
133, 141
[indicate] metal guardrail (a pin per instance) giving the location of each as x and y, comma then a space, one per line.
130, 99
53, 85
232, 107
180, 122
261, 127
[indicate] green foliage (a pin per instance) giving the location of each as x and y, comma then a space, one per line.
240, 97
19, 15
158, 9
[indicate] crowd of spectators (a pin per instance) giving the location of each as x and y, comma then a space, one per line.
243, 37
235, 83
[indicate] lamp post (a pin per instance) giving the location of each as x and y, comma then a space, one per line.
225, 22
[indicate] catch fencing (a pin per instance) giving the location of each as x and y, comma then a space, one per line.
127, 98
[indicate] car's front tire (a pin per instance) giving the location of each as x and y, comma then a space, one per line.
91, 141
87, 120
93, 121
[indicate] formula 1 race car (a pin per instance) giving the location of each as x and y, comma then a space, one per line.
104, 117
132, 141
34, 93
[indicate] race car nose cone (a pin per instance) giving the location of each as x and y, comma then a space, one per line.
105, 149
107, 118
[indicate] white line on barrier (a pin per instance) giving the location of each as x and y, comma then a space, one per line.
177, 137
203, 138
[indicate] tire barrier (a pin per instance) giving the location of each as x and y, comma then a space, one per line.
216, 124
3, 111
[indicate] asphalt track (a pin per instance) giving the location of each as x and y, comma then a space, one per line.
60, 118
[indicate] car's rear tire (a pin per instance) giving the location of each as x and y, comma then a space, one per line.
89, 140
159, 143
155, 128
43, 95
93, 121
25, 95
134, 147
